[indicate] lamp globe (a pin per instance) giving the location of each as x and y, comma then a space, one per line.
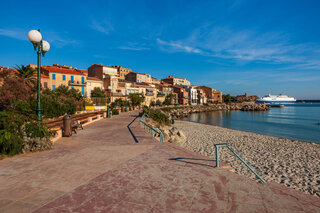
34, 36
45, 46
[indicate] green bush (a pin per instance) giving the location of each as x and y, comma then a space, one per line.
115, 112
19, 129
157, 116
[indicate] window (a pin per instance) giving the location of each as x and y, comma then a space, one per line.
63, 77
53, 76
72, 78
45, 85
82, 80
53, 87
82, 90
71, 87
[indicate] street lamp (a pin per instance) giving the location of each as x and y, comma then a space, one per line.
41, 46
108, 99
126, 109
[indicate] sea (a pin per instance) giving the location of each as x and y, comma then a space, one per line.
298, 121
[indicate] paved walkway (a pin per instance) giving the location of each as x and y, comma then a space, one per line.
105, 168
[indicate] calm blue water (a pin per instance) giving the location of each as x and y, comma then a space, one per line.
294, 121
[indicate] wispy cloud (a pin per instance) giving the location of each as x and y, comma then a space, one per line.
243, 46
56, 38
100, 56
178, 46
60, 39
104, 27
134, 46
14, 33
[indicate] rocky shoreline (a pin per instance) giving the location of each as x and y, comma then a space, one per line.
184, 111
290, 162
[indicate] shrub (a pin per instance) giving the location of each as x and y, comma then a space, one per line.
157, 116
14, 89
20, 132
115, 112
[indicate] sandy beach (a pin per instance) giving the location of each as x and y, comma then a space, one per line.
293, 163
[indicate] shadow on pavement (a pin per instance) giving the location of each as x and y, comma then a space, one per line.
134, 137
194, 161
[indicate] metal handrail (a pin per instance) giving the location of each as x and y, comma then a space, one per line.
148, 128
245, 163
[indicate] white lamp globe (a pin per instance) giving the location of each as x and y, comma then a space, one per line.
34, 36
45, 46
109, 87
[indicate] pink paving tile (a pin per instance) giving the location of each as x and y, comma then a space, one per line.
67, 202
130, 207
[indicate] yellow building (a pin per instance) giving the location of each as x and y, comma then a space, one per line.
65, 76
176, 81
92, 83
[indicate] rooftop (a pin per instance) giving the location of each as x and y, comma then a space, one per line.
61, 70
93, 79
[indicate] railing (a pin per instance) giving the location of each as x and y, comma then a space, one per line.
148, 128
76, 83
245, 163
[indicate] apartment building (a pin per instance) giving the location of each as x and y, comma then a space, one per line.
155, 81
122, 71
176, 81
202, 99
64, 76
93, 82
211, 94
183, 95
193, 94
100, 71
139, 77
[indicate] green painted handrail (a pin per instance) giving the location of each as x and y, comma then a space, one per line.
148, 128
245, 163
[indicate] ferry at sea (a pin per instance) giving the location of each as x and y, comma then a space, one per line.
276, 99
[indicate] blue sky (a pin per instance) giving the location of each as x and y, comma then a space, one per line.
257, 47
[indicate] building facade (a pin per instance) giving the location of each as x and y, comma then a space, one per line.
92, 83
122, 71
139, 77
100, 71
176, 81
64, 76
183, 95
211, 94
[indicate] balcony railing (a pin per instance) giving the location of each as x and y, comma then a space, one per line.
160, 94
117, 94
149, 93
76, 83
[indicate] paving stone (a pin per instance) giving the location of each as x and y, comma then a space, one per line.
103, 169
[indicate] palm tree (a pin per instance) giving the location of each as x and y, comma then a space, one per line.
28, 74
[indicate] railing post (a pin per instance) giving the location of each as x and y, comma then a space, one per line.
217, 156
152, 133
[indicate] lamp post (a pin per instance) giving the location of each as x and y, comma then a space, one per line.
126, 109
41, 46
108, 99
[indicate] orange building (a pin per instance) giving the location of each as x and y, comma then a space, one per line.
183, 95
211, 94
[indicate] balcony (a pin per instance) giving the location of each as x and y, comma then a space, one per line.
149, 94
76, 83
117, 94
160, 94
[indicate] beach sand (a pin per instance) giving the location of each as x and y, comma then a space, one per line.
293, 163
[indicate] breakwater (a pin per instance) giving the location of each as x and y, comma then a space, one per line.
184, 111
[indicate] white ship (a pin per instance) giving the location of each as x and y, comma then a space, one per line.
276, 99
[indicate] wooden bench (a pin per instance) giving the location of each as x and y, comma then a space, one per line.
75, 124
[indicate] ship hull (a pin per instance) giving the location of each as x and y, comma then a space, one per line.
275, 102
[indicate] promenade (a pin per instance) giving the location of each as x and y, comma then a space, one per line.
114, 166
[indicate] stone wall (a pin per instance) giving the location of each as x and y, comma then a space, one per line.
183, 111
